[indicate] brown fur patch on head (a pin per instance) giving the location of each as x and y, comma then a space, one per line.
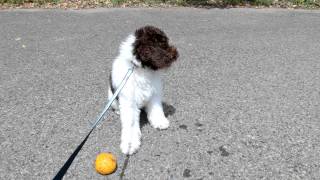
152, 48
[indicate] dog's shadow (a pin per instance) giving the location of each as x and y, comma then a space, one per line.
167, 109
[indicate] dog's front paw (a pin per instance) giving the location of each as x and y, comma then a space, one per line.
131, 146
160, 123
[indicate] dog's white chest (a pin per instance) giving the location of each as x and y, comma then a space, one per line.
146, 85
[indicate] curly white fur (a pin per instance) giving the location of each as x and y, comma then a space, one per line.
143, 89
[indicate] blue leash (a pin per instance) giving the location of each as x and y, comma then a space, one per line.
123, 82
67, 164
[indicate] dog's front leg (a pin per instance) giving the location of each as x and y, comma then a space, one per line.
130, 132
155, 113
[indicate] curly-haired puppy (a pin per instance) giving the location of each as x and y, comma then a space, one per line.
149, 51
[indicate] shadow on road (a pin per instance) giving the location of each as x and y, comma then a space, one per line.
124, 167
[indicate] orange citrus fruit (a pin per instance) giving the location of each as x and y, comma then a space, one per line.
105, 163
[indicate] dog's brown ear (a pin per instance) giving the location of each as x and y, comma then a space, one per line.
149, 56
156, 57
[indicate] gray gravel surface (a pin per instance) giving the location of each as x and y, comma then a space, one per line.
243, 99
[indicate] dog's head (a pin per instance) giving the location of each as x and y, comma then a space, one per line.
152, 48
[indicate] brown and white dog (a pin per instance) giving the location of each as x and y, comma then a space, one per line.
148, 49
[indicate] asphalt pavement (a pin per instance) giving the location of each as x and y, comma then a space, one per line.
243, 99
